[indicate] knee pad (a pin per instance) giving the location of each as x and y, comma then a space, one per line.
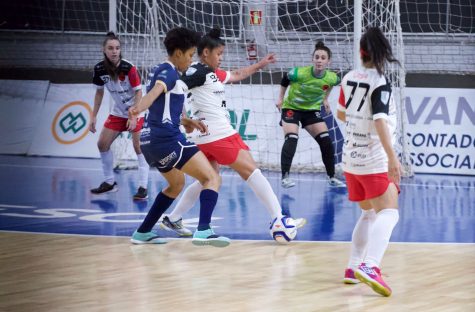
323, 139
290, 143
291, 136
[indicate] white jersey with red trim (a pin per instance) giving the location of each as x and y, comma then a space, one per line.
208, 103
366, 96
123, 90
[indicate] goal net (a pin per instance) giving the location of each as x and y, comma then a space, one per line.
252, 29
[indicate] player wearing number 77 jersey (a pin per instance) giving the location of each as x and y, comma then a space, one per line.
371, 166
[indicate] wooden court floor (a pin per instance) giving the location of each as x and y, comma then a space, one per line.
45, 272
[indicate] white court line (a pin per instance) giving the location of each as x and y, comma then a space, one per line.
15, 206
49, 167
230, 175
232, 240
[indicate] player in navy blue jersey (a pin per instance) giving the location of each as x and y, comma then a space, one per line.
122, 80
166, 148
222, 145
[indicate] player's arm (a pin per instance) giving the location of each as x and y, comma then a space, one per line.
99, 84
394, 167
97, 105
380, 102
326, 104
243, 73
284, 83
132, 121
192, 124
148, 99
341, 109
136, 85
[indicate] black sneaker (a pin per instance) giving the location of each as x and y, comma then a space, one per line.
141, 194
105, 188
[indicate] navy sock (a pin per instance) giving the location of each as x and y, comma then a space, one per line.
208, 199
160, 205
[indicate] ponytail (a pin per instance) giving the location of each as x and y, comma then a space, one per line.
110, 68
211, 40
375, 48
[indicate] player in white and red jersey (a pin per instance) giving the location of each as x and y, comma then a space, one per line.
222, 144
371, 166
122, 80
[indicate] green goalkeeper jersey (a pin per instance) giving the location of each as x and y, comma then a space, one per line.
306, 91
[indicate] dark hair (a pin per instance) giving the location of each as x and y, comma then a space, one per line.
375, 48
180, 38
321, 46
110, 68
211, 40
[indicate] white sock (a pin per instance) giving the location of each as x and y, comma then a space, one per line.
186, 201
380, 234
143, 171
359, 239
261, 187
107, 163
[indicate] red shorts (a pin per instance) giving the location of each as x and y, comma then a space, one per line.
224, 151
367, 186
120, 124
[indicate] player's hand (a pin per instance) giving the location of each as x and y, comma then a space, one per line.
394, 170
326, 104
268, 59
133, 111
92, 125
191, 124
131, 123
278, 105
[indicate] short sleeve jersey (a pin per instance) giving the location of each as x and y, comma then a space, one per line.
208, 103
123, 90
163, 120
306, 91
366, 96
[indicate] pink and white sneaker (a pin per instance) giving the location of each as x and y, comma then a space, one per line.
372, 278
350, 277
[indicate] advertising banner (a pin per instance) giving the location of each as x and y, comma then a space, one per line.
441, 130
63, 126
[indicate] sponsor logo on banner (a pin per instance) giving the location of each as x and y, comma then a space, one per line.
441, 130
70, 124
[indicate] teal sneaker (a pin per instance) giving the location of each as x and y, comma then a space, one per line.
146, 238
208, 237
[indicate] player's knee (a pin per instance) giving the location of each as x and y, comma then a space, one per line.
211, 181
290, 144
323, 139
175, 188
102, 146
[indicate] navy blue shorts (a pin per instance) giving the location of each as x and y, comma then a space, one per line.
166, 155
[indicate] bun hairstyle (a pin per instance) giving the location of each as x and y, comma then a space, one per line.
211, 40
321, 46
110, 68
375, 48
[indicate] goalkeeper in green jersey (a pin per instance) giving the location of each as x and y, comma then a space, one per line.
309, 89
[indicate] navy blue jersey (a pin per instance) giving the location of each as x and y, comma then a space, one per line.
163, 120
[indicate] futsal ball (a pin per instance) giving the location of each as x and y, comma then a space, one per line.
283, 230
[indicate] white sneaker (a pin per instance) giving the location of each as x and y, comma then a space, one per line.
334, 182
300, 222
176, 226
287, 183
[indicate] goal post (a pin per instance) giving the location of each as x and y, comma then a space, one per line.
251, 29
